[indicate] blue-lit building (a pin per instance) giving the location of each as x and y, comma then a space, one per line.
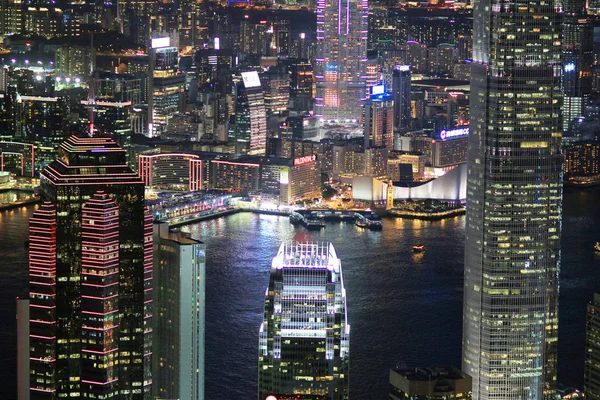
379, 118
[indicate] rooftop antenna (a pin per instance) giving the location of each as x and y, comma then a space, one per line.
91, 100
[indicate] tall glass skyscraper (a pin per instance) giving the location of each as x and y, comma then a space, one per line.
304, 338
514, 193
90, 269
341, 60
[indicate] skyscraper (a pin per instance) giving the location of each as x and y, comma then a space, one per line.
514, 192
341, 60
379, 119
304, 338
90, 267
178, 341
592, 350
401, 92
250, 116
578, 59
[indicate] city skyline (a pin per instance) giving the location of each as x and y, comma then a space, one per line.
173, 160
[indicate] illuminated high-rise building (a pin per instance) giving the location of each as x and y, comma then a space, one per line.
167, 89
90, 268
379, 118
304, 338
178, 340
578, 59
341, 60
514, 194
592, 350
250, 116
401, 92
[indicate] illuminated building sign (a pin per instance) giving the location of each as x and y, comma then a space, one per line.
304, 160
158, 43
454, 133
378, 89
403, 67
570, 67
284, 176
251, 79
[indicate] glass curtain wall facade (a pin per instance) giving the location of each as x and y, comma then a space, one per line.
179, 298
514, 192
341, 60
91, 269
304, 338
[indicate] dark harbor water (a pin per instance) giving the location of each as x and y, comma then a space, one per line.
403, 308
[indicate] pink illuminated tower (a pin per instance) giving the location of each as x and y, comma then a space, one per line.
341, 60
90, 266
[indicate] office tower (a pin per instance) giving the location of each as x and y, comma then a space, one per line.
341, 58
514, 186
401, 93
43, 121
379, 118
578, 57
23, 349
276, 84
179, 299
304, 338
166, 94
90, 265
438, 383
301, 75
10, 17
250, 116
592, 350
193, 24
214, 70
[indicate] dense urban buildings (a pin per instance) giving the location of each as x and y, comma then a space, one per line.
429, 384
582, 163
514, 195
592, 350
90, 266
303, 349
179, 304
341, 61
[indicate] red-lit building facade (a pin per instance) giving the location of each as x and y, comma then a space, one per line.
90, 266
171, 170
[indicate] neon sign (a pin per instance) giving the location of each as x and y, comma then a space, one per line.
304, 160
454, 133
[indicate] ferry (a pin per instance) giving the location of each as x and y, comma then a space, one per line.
314, 223
419, 248
597, 246
361, 223
373, 222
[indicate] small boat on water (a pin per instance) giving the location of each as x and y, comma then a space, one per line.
597, 246
419, 248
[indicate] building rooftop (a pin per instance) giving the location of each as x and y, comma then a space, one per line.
430, 373
308, 255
